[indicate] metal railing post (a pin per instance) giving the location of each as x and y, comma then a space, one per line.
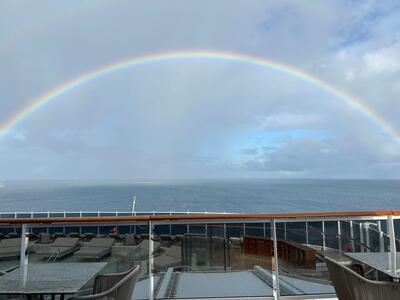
381, 239
352, 236
151, 261
24, 245
307, 241
224, 230
339, 236
361, 237
284, 230
367, 240
275, 266
187, 226
392, 238
323, 236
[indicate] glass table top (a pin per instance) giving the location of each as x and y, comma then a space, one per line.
49, 278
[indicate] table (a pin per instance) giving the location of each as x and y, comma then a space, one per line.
49, 278
380, 261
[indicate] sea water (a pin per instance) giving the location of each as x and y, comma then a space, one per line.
245, 195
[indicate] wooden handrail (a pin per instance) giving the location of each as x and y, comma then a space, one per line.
222, 217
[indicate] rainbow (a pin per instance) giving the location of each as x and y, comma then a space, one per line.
75, 83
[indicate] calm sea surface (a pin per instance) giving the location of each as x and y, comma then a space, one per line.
218, 196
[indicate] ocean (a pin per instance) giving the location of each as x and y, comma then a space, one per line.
259, 195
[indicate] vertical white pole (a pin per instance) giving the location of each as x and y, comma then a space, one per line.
284, 230
224, 230
307, 241
275, 271
323, 236
352, 237
339, 236
361, 237
24, 245
133, 205
381, 240
367, 241
151, 261
392, 238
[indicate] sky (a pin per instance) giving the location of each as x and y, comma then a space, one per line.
185, 119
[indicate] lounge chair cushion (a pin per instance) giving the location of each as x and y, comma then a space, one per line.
173, 251
9, 251
144, 245
10, 242
65, 242
92, 252
163, 262
100, 242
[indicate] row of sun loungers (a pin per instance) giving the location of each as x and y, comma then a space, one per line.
94, 249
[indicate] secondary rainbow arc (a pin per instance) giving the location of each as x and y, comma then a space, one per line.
74, 83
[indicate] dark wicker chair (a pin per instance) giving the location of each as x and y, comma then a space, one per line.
113, 286
351, 286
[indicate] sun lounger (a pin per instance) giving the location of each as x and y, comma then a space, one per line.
95, 249
10, 248
61, 247
144, 246
171, 257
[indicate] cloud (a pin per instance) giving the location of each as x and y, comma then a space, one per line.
204, 118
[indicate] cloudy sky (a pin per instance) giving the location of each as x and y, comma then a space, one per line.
200, 118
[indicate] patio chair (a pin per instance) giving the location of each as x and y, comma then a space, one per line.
95, 249
351, 286
113, 286
60, 248
10, 248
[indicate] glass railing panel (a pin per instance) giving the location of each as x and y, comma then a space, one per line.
178, 229
198, 229
301, 268
216, 230
89, 214
7, 216
57, 231
314, 233
361, 245
235, 230
56, 215
396, 223
255, 229
296, 231
23, 215
331, 230
123, 251
162, 230
142, 230
125, 214
41, 215
213, 260
107, 214
72, 214
89, 231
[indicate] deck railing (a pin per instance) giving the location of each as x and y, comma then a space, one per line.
328, 233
